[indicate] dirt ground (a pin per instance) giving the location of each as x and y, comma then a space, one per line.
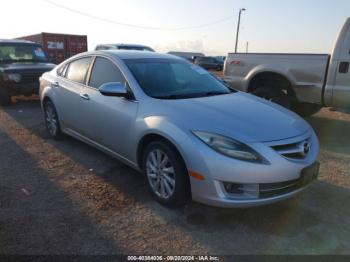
68, 198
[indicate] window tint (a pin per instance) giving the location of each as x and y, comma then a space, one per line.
173, 78
62, 70
204, 59
78, 69
138, 48
22, 53
103, 47
104, 71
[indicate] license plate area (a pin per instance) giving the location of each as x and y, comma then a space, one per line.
310, 173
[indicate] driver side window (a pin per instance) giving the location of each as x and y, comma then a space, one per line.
104, 71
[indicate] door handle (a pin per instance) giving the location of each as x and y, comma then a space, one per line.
343, 67
85, 96
55, 84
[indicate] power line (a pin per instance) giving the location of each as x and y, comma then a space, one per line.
106, 20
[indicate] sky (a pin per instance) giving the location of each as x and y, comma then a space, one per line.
208, 26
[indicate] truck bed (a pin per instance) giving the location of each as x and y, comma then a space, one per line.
305, 72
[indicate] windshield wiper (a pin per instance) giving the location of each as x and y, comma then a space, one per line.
215, 93
195, 95
175, 96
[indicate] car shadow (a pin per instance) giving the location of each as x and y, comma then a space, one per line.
37, 217
332, 133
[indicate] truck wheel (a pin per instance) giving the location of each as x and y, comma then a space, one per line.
306, 109
275, 95
5, 98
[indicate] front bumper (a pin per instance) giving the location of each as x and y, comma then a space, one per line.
218, 170
22, 88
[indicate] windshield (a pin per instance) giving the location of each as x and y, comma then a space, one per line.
173, 79
22, 53
138, 48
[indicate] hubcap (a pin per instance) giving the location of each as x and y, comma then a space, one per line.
51, 119
160, 173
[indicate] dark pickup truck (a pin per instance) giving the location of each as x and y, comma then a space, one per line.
21, 65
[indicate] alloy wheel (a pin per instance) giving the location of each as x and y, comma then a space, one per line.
51, 119
160, 173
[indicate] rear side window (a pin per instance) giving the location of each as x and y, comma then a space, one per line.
78, 70
104, 71
204, 59
102, 47
62, 70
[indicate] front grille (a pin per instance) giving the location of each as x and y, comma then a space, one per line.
298, 150
30, 78
276, 189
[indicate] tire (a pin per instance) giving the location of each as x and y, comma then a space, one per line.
5, 98
306, 109
52, 121
275, 95
171, 189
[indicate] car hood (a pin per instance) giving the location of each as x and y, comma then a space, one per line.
237, 115
24, 67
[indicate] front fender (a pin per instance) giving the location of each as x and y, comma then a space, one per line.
47, 92
161, 126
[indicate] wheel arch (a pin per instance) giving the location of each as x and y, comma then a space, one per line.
151, 137
45, 94
283, 81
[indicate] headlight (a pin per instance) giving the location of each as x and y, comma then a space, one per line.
230, 147
13, 77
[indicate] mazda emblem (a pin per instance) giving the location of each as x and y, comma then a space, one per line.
306, 147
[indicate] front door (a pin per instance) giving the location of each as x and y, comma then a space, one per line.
341, 88
111, 119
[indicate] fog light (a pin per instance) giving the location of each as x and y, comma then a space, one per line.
242, 191
233, 188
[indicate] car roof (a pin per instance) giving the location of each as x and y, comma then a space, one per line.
132, 45
17, 41
134, 54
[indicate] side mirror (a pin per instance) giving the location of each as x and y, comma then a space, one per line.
113, 89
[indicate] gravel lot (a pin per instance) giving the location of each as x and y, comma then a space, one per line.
68, 198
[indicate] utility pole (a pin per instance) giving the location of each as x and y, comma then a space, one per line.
238, 25
247, 47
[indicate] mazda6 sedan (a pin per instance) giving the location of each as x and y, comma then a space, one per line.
191, 135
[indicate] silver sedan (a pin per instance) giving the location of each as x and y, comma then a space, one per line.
191, 135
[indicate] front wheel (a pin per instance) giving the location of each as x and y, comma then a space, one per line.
219, 68
51, 120
166, 174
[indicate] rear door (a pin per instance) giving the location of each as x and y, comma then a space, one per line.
341, 89
69, 98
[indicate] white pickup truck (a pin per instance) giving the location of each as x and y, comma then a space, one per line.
301, 82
